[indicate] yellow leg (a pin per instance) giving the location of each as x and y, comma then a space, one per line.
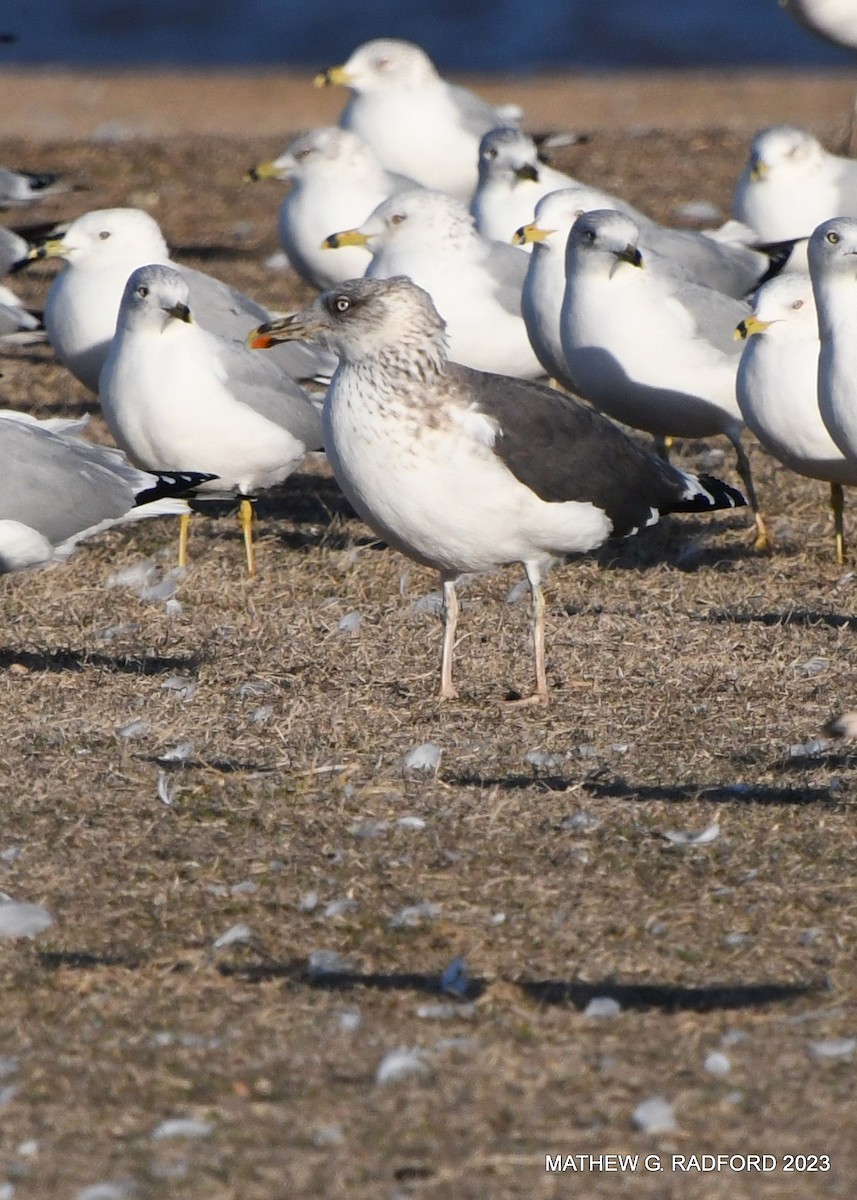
837, 503
184, 532
448, 691
763, 540
245, 517
663, 445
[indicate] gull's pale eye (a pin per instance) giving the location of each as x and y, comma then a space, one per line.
589, 234
490, 152
832, 237
382, 63
397, 218
342, 304
303, 153
798, 304
104, 235
142, 291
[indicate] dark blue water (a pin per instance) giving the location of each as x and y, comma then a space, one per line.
478, 35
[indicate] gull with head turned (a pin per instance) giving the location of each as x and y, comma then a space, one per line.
418, 124
465, 471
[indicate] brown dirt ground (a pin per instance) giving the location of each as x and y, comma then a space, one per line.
682, 671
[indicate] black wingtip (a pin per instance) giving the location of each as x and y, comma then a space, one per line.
706, 493
173, 483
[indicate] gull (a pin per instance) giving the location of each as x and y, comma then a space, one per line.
56, 489
731, 269
475, 283
17, 323
512, 180
834, 20
101, 249
337, 181
466, 471
177, 397
777, 387
653, 351
418, 124
26, 187
790, 184
833, 268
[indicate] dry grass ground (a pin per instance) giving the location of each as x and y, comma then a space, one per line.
683, 667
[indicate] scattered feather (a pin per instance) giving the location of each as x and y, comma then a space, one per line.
245, 888
517, 591
498, 918
369, 829
622, 747
252, 688
10, 855
108, 1191
425, 758
430, 604
446, 1012
349, 1022
135, 575
400, 1064
834, 1049
328, 962
166, 789
350, 623
182, 1127
177, 754
412, 914
602, 1006
308, 902
410, 823
8, 1094
654, 1115
183, 684
19, 920
812, 667
580, 821
811, 749
328, 1135
173, 608
733, 940
133, 729
339, 907
717, 1064
679, 837
543, 760
235, 935
28, 1149
262, 714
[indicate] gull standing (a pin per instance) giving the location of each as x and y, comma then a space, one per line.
56, 489
475, 283
418, 124
777, 388
101, 249
833, 267
653, 351
467, 471
337, 181
26, 187
790, 184
177, 397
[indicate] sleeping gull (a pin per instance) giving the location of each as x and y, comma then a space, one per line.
475, 283
177, 397
653, 351
777, 388
418, 124
790, 184
101, 249
26, 187
466, 471
512, 179
336, 182
56, 489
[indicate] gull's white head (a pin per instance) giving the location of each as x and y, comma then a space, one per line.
419, 218
155, 299
783, 310
602, 238
555, 214
321, 152
109, 235
383, 65
832, 251
783, 149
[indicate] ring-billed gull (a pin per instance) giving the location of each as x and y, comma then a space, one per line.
512, 180
466, 471
777, 388
475, 283
732, 269
790, 184
56, 489
177, 397
833, 267
834, 20
653, 351
418, 124
336, 182
100, 250
26, 187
